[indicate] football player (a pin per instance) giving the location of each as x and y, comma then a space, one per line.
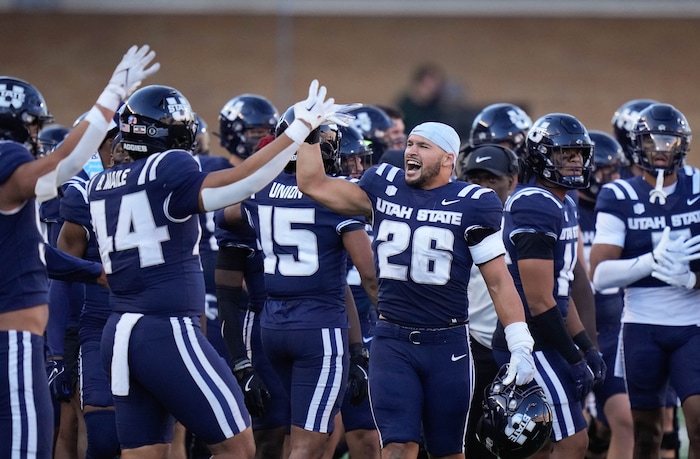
26, 422
646, 243
427, 233
142, 212
540, 232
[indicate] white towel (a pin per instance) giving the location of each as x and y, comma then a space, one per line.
120, 353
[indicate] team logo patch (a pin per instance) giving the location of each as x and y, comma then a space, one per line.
11, 97
152, 131
638, 208
391, 190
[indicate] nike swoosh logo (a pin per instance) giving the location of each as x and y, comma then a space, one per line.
481, 159
447, 203
368, 339
458, 357
247, 384
693, 201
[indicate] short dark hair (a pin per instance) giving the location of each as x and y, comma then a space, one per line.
391, 111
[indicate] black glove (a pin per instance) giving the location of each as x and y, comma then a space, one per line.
254, 390
583, 377
60, 381
595, 362
357, 378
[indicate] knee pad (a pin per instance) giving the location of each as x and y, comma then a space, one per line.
102, 441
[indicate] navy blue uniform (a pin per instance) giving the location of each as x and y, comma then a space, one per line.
144, 216
304, 322
420, 340
659, 343
26, 412
532, 209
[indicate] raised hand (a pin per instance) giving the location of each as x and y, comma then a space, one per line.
128, 76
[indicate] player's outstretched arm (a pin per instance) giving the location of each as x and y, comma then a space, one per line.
335, 193
42, 177
225, 187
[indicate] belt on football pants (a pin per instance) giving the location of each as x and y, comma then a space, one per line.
418, 335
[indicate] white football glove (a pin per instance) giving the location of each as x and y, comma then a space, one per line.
521, 367
677, 274
316, 110
128, 76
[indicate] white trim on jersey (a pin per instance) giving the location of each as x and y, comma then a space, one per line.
609, 230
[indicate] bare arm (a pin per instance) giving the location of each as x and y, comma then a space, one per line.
337, 194
583, 302
355, 332
359, 247
72, 239
505, 297
538, 284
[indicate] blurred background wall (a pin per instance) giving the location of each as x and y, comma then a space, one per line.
585, 58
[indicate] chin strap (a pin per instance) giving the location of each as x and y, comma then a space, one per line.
658, 191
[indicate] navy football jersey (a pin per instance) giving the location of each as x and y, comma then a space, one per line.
23, 276
206, 220
626, 205
142, 214
74, 208
608, 304
628, 200
531, 209
420, 247
304, 257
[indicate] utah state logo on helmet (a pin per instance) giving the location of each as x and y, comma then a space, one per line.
517, 420
155, 119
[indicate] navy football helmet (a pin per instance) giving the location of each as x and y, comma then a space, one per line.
355, 153
23, 112
155, 119
202, 137
328, 136
50, 137
623, 121
550, 140
372, 122
517, 420
608, 157
660, 128
503, 124
242, 114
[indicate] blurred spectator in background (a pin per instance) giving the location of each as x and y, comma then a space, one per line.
394, 137
430, 96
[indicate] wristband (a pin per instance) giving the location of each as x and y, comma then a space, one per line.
297, 131
242, 365
583, 341
314, 136
518, 337
111, 97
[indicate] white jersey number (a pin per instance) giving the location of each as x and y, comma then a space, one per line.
276, 227
136, 229
431, 252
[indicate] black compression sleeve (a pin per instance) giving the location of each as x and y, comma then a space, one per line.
228, 299
534, 245
550, 326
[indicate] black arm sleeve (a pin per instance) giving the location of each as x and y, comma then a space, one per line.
534, 245
550, 327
